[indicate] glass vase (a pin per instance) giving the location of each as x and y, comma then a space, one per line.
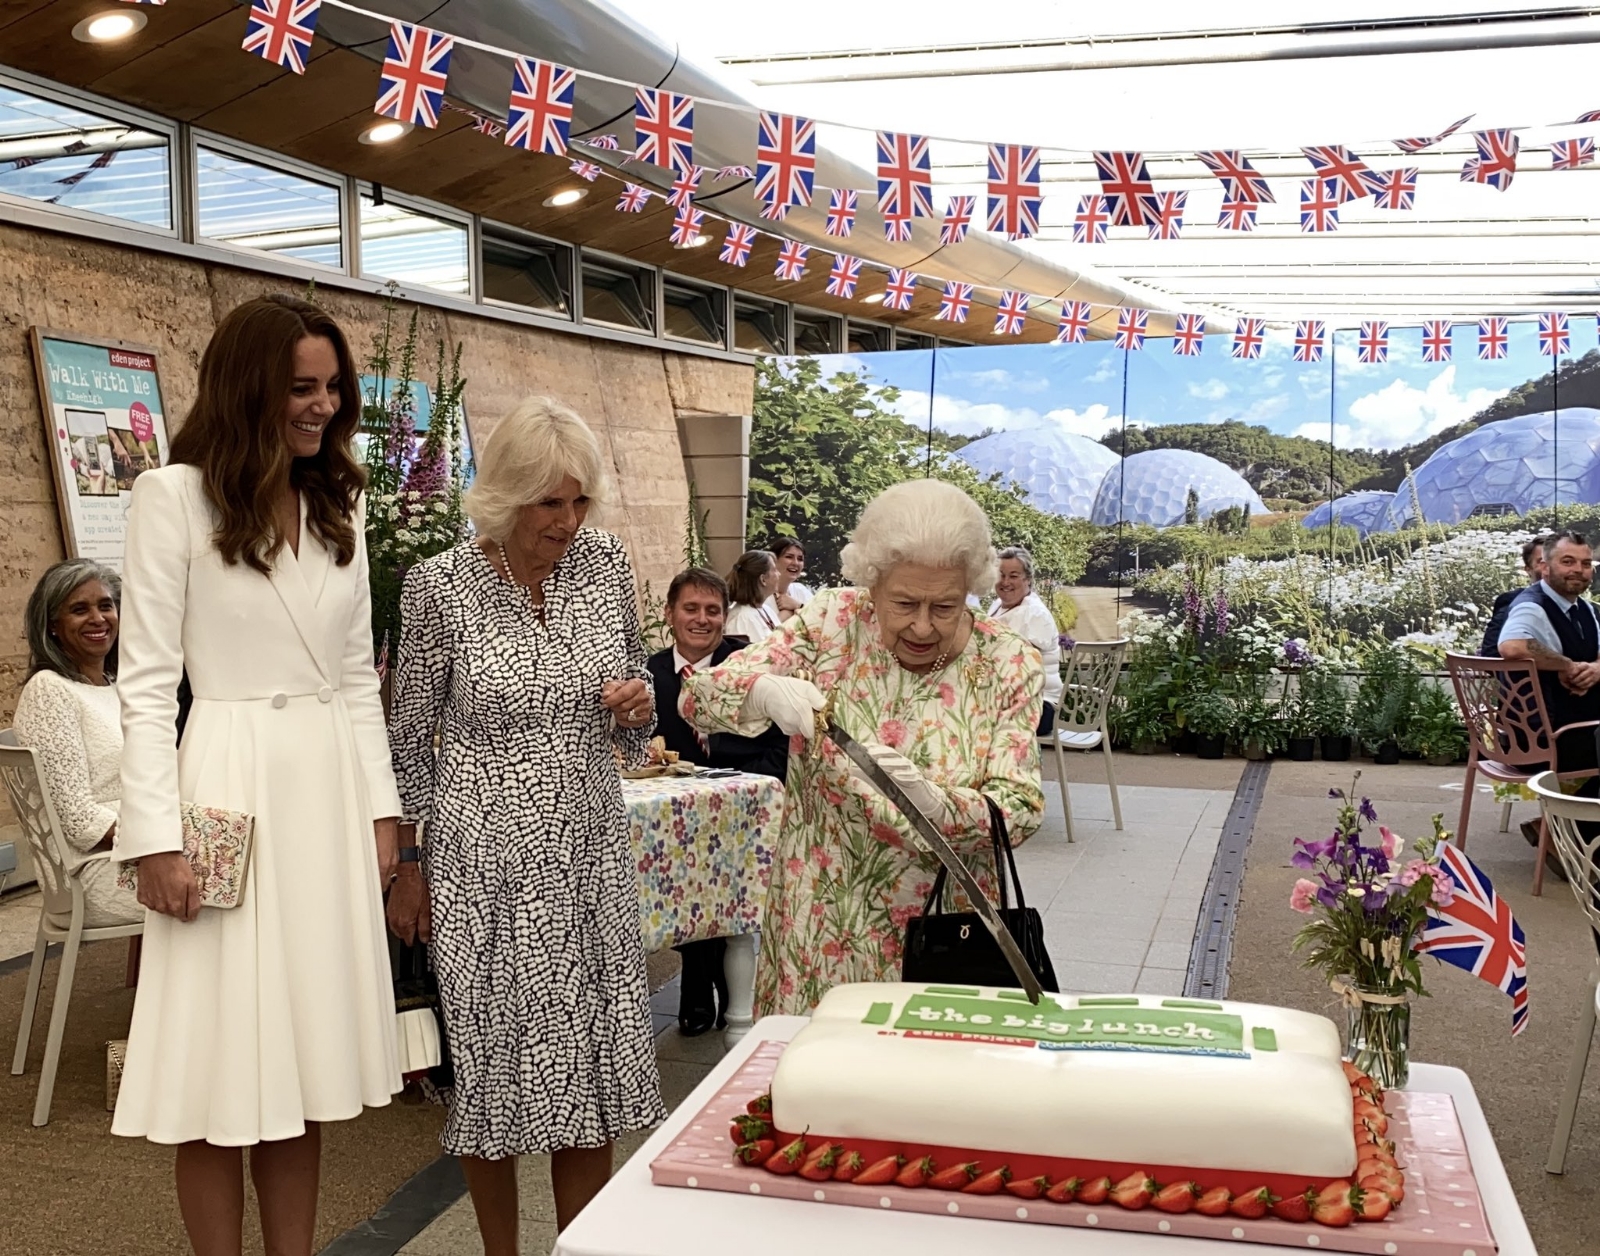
1377, 1034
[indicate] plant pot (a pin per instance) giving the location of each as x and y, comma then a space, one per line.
1255, 751
1302, 749
1208, 747
1443, 760
1377, 1034
1335, 749
1388, 753
1183, 743
1411, 756
1148, 747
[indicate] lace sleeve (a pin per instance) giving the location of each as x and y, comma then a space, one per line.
50, 721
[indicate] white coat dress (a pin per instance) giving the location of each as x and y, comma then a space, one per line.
249, 1022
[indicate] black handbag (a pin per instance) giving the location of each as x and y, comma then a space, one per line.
956, 947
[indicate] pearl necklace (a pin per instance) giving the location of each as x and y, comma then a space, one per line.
505, 561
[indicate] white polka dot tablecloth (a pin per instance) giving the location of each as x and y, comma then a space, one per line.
1442, 1214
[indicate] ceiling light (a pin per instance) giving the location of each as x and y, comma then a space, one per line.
567, 196
699, 240
874, 298
106, 28
385, 132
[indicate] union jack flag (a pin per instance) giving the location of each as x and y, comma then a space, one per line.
775, 212
1492, 339
1593, 115
844, 276
607, 142
685, 183
1074, 327
686, 226
1373, 346
1013, 190
1237, 216
902, 287
539, 117
957, 218
1570, 154
896, 230
633, 199
1125, 182
1319, 205
414, 73
1428, 141
1166, 214
281, 31
663, 126
1240, 182
585, 170
1496, 162
1351, 177
1436, 345
1478, 933
735, 172
786, 159
1395, 189
488, 126
1248, 337
905, 181
841, 212
1089, 223
736, 247
1132, 327
1554, 338
1012, 316
792, 260
1308, 337
1189, 335
955, 302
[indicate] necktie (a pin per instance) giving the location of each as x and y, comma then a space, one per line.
1582, 621
705, 742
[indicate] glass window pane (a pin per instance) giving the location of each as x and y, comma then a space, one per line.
535, 274
758, 326
866, 338
251, 206
815, 333
61, 155
693, 313
618, 295
904, 339
415, 248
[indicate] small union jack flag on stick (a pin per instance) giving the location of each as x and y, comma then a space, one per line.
415, 70
1554, 338
1476, 931
1309, 333
775, 212
1090, 222
1165, 212
1492, 339
1074, 326
1012, 316
1496, 162
1014, 190
686, 227
957, 218
955, 302
1132, 327
1238, 216
1126, 183
786, 159
896, 229
901, 288
685, 183
844, 276
1240, 181
539, 118
841, 213
585, 170
1571, 154
1436, 345
1428, 141
1248, 336
633, 199
736, 247
1319, 205
281, 31
1188, 335
663, 124
1350, 176
905, 180
1395, 189
792, 261
1373, 345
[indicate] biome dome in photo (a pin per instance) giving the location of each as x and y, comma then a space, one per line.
1061, 471
1154, 488
1366, 512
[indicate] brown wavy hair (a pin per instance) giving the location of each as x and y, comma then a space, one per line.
234, 433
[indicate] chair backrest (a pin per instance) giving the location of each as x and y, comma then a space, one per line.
1502, 705
1090, 679
30, 799
1567, 817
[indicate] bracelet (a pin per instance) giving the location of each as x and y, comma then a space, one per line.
410, 854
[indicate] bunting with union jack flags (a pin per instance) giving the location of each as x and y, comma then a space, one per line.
1476, 931
792, 261
1492, 339
1166, 214
1125, 183
1012, 316
633, 199
684, 186
1309, 334
1571, 154
1248, 336
1188, 335
685, 233
1014, 190
281, 31
1074, 326
1090, 222
415, 69
905, 179
955, 302
1319, 206
1372, 346
1240, 180
1496, 163
775, 212
736, 247
1238, 216
663, 127
539, 118
1554, 338
1428, 141
896, 228
902, 287
1351, 177
786, 159
1436, 345
1132, 327
844, 276
1395, 189
957, 218
841, 213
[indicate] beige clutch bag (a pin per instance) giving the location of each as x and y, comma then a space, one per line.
217, 844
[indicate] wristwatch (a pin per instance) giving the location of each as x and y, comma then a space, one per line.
410, 854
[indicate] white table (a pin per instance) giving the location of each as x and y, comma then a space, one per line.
634, 1217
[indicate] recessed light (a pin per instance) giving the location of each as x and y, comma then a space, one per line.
699, 240
107, 28
385, 132
567, 196
874, 298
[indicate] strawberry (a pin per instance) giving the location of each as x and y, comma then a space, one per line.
1351, 1073
1335, 1204
880, 1173
1094, 1191
820, 1163
1393, 1187
1294, 1207
1134, 1191
990, 1183
850, 1166
1214, 1203
758, 1152
747, 1129
761, 1105
954, 1178
1371, 1165
916, 1173
1253, 1205
1029, 1188
1176, 1197
787, 1160
1063, 1191
1372, 1205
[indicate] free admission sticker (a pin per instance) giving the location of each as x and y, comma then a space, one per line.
139, 420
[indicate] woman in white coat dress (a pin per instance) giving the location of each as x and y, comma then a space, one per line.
246, 565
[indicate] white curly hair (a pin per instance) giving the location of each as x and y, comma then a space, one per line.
928, 522
527, 455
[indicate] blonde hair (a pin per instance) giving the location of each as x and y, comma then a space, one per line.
929, 522
527, 455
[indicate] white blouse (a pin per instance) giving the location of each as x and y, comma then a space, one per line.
1031, 620
753, 622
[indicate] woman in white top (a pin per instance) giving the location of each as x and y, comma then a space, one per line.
751, 583
68, 714
790, 594
1023, 611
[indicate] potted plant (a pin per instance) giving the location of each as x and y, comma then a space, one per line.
1383, 701
1299, 723
1140, 721
1433, 729
1257, 722
1210, 717
1322, 694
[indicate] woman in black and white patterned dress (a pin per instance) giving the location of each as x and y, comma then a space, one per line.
522, 649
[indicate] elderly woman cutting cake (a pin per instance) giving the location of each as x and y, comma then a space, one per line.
946, 703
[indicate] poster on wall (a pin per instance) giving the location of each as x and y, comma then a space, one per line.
105, 424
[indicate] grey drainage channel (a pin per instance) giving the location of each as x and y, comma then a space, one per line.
1213, 935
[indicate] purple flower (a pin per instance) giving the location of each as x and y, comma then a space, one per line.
1065, 641
1368, 811
1313, 851
428, 474
1336, 793
1194, 610
1328, 896
1220, 610
1295, 654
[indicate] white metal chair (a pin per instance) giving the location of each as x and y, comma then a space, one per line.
1091, 678
60, 915
1579, 856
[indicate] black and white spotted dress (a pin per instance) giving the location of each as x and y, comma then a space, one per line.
526, 850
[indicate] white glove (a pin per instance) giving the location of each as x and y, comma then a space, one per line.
789, 703
928, 797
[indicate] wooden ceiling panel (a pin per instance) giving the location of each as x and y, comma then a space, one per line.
41, 41
289, 108
183, 78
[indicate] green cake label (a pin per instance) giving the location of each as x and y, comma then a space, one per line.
1085, 1028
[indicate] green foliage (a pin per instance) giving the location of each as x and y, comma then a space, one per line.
1255, 717
1208, 713
1386, 696
694, 533
1325, 703
1061, 603
1433, 725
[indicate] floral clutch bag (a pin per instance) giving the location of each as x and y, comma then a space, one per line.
217, 844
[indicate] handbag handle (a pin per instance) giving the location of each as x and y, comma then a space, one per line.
1004, 858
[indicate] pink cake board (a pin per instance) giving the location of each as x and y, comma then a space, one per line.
1442, 1214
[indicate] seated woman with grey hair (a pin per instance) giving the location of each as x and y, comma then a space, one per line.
945, 701
69, 715
520, 651
1023, 611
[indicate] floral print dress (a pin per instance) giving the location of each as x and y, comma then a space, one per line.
848, 872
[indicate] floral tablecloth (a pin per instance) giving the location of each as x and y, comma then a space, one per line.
705, 852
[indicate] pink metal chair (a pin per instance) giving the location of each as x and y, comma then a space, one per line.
1503, 708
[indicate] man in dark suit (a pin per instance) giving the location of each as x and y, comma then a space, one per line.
1533, 565
697, 604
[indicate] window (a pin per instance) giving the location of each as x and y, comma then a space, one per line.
524, 270
399, 243
868, 338
816, 333
758, 326
251, 206
60, 155
904, 339
690, 312
618, 294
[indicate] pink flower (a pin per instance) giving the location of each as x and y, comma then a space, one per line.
1414, 872
1391, 843
892, 733
1444, 890
1304, 896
